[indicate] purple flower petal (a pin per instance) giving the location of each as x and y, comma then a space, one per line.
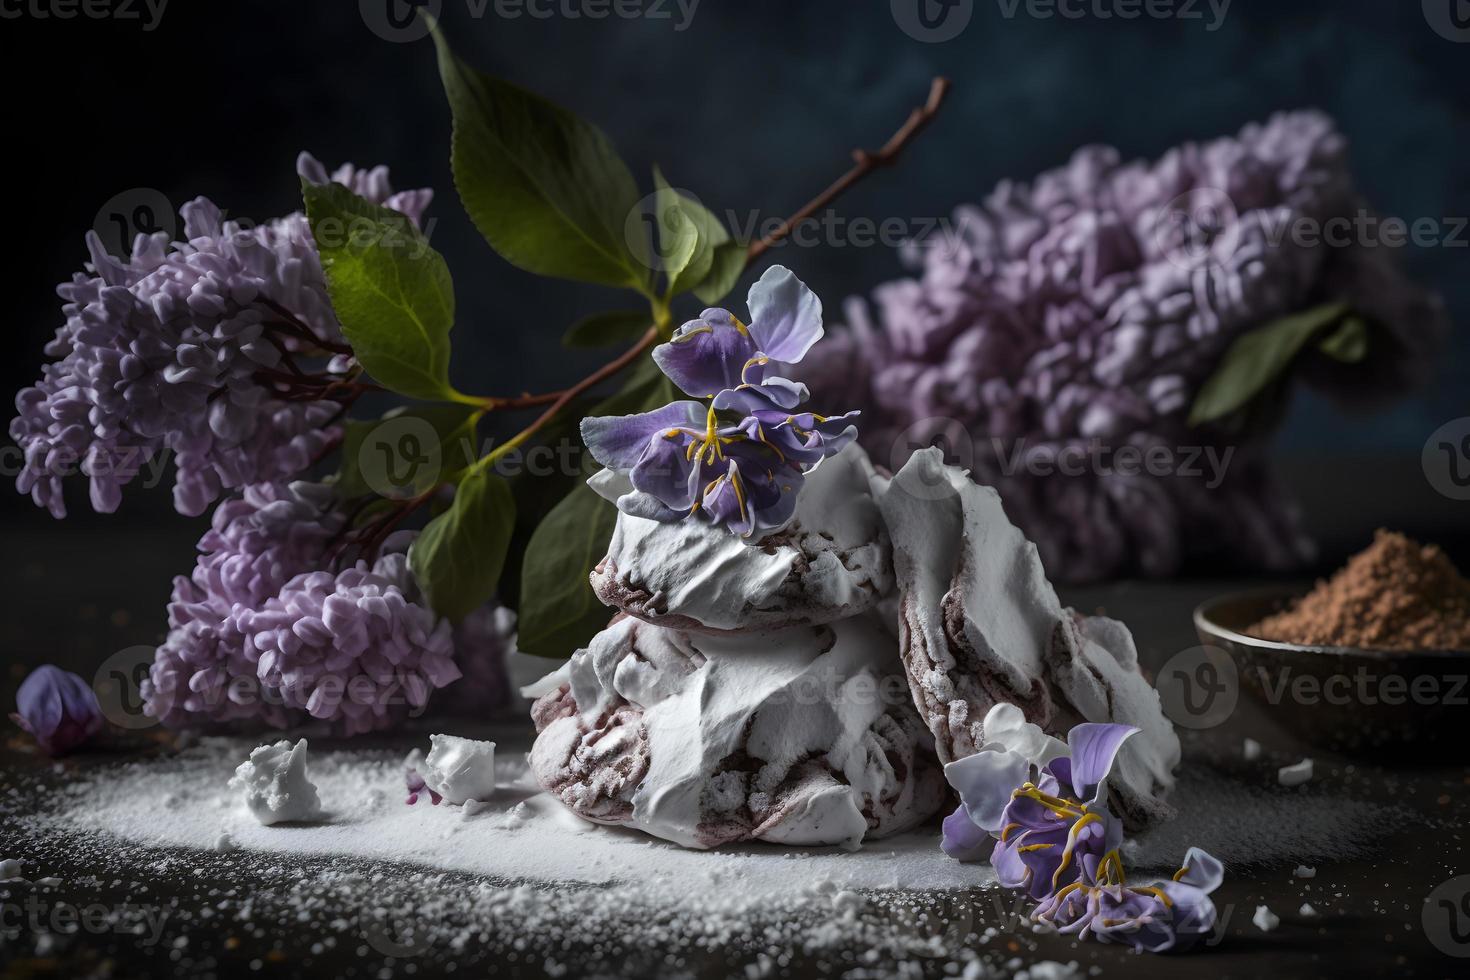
1093, 749
58, 708
985, 782
617, 441
771, 394
708, 355
962, 840
785, 316
1201, 870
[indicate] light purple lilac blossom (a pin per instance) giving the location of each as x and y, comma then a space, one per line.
58, 709
1079, 311
738, 456
159, 353
1039, 807
260, 635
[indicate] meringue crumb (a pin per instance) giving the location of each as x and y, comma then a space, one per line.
1295, 775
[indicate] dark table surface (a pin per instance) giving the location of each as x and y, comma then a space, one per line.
77, 593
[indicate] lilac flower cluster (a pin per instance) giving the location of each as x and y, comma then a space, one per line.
1040, 807
738, 457
261, 634
1089, 308
162, 352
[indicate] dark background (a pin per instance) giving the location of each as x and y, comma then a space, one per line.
754, 105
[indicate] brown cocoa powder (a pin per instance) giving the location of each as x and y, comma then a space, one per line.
1395, 595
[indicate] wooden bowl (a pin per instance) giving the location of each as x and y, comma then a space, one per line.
1345, 699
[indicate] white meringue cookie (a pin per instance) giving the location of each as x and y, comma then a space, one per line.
981, 625
830, 562
806, 736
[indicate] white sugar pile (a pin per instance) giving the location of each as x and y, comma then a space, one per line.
520, 834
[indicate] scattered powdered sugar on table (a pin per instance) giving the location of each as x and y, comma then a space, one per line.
521, 834
518, 880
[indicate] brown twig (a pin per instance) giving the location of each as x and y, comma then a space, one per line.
865, 164
601, 374
555, 401
291, 324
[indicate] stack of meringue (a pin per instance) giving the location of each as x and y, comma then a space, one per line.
805, 687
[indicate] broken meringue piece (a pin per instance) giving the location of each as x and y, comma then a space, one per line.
830, 562
460, 769
980, 625
275, 784
803, 737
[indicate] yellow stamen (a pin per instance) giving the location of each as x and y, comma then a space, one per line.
1156, 893
1089, 818
1034, 847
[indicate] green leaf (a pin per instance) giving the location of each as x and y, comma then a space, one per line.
546, 189
391, 291
558, 610
458, 558
679, 238
605, 329
1258, 358
1348, 343
726, 265
407, 451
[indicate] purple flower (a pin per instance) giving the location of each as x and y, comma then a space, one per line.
739, 458
161, 352
1045, 803
417, 788
1167, 915
1078, 311
58, 709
